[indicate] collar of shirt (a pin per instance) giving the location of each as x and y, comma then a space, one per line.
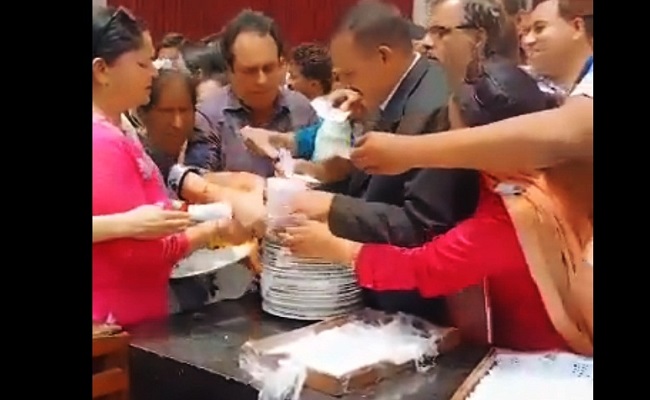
235, 104
392, 93
586, 68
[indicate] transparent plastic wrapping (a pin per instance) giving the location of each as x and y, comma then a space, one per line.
343, 354
334, 139
286, 162
513, 375
279, 194
276, 377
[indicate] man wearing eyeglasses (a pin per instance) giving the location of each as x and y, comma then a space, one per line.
462, 33
539, 140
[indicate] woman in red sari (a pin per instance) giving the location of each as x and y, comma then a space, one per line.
484, 247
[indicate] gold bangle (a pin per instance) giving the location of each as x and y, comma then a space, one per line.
217, 241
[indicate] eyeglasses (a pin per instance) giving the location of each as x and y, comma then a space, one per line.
120, 12
442, 31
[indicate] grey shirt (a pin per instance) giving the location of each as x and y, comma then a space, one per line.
218, 144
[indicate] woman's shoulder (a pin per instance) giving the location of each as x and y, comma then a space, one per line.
111, 141
106, 133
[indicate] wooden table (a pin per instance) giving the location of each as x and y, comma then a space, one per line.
110, 365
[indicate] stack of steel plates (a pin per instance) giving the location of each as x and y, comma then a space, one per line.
306, 288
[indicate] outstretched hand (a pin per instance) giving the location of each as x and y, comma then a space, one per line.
153, 221
381, 153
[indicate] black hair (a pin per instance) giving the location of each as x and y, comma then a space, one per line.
375, 23
206, 61
514, 7
212, 38
569, 9
489, 16
315, 63
172, 39
159, 82
115, 32
509, 45
249, 21
503, 91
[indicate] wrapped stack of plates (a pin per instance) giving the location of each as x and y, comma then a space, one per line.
306, 289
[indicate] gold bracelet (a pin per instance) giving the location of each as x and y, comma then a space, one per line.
217, 241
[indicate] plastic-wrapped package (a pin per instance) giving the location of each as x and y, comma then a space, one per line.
277, 378
535, 376
339, 355
286, 163
357, 345
334, 137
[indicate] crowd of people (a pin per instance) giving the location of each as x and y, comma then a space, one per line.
470, 163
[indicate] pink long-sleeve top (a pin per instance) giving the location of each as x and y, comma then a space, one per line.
130, 276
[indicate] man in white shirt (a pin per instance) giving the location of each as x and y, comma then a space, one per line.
586, 85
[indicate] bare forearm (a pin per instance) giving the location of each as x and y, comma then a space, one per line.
196, 189
108, 227
332, 170
199, 237
526, 142
283, 141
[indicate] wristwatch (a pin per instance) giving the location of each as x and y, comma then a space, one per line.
177, 174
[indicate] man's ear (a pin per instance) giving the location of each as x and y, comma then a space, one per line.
578, 25
385, 53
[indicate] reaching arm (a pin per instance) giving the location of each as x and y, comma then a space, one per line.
479, 247
108, 227
332, 170
115, 172
305, 141
526, 142
204, 147
435, 200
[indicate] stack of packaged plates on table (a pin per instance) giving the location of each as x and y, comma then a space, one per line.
305, 288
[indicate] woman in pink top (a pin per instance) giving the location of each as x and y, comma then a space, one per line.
129, 276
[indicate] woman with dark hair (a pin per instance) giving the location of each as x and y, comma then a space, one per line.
483, 248
168, 117
207, 64
129, 276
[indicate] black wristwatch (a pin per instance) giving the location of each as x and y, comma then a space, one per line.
177, 175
